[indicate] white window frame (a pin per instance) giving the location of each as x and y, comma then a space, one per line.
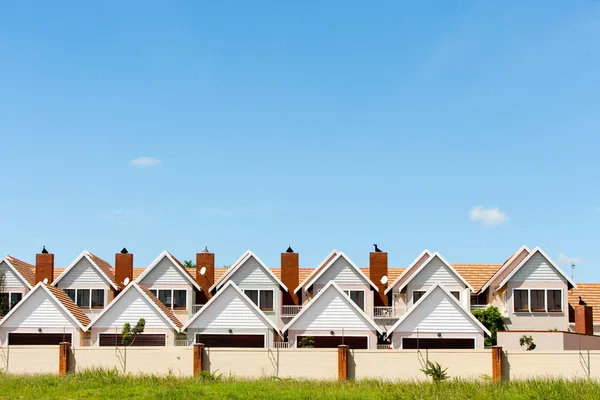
412, 295
259, 305
562, 301
10, 294
187, 294
89, 307
347, 293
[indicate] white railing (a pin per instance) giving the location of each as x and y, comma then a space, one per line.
86, 342
384, 346
281, 345
182, 343
385, 312
197, 307
479, 306
290, 311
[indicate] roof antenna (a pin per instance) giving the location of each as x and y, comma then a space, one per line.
573, 271
205, 249
44, 251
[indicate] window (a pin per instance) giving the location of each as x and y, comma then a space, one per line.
253, 295
83, 298
15, 298
179, 299
521, 299
154, 292
165, 297
357, 296
262, 298
538, 300
70, 293
417, 294
97, 298
456, 294
554, 300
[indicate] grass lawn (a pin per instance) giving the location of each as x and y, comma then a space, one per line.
108, 385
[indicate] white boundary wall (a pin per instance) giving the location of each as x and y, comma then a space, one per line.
571, 364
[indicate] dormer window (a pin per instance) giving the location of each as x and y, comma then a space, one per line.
357, 296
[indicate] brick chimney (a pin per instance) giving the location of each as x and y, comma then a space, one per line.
584, 320
123, 267
378, 268
44, 266
290, 276
205, 260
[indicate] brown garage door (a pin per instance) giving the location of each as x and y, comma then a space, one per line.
354, 342
438, 343
144, 339
16, 339
231, 340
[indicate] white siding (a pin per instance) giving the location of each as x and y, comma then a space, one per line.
537, 269
11, 280
331, 311
83, 275
40, 310
165, 273
252, 274
438, 313
342, 273
229, 311
130, 308
437, 271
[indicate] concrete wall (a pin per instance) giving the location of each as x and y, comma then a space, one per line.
551, 364
406, 364
548, 340
29, 359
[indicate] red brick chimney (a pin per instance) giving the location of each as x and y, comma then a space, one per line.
290, 276
205, 260
584, 320
378, 268
44, 267
123, 267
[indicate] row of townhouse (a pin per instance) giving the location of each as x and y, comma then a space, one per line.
426, 305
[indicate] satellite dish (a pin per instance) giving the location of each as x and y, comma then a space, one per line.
384, 279
202, 270
45, 281
126, 281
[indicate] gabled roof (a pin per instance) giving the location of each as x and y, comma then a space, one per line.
314, 271
504, 267
421, 258
101, 266
238, 264
333, 286
423, 265
152, 299
244, 298
424, 298
61, 298
175, 262
526, 259
320, 271
25, 271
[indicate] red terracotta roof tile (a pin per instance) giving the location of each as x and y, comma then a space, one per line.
162, 307
590, 293
105, 267
26, 270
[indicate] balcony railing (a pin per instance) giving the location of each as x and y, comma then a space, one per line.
479, 306
182, 343
197, 307
384, 346
281, 345
290, 311
385, 312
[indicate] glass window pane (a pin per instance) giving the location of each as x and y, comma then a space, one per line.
554, 300
521, 300
98, 298
417, 295
165, 297
15, 298
358, 297
4, 303
456, 294
266, 300
253, 295
179, 299
83, 297
538, 300
70, 293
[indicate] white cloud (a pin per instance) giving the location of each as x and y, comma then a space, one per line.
145, 162
488, 216
566, 261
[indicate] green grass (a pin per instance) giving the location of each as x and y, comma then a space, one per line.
110, 385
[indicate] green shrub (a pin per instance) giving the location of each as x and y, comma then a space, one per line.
493, 320
307, 341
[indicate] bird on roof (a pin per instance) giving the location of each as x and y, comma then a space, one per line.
581, 302
377, 249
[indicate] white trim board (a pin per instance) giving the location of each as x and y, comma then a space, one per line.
316, 270
85, 254
158, 259
433, 256
503, 268
408, 270
331, 262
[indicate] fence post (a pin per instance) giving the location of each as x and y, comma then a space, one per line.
198, 358
342, 362
497, 363
63, 357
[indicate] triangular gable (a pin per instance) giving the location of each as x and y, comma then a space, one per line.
20, 270
421, 258
532, 254
136, 302
239, 264
230, 307
426, 263
52, 306
512, 262
176, 264
438, 311
331, 308
337, 257
101, 267
315, 271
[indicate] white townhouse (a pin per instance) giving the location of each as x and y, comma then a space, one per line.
19, 279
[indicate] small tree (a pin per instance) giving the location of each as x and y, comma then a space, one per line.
306, 342
128, 334
189, 264
4, 300
527, 342
493, 321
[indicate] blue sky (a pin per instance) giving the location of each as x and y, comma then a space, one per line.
320, 126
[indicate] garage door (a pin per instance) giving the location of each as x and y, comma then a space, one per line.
15, 339
231, 340
144, 339
438, 343
354, 342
